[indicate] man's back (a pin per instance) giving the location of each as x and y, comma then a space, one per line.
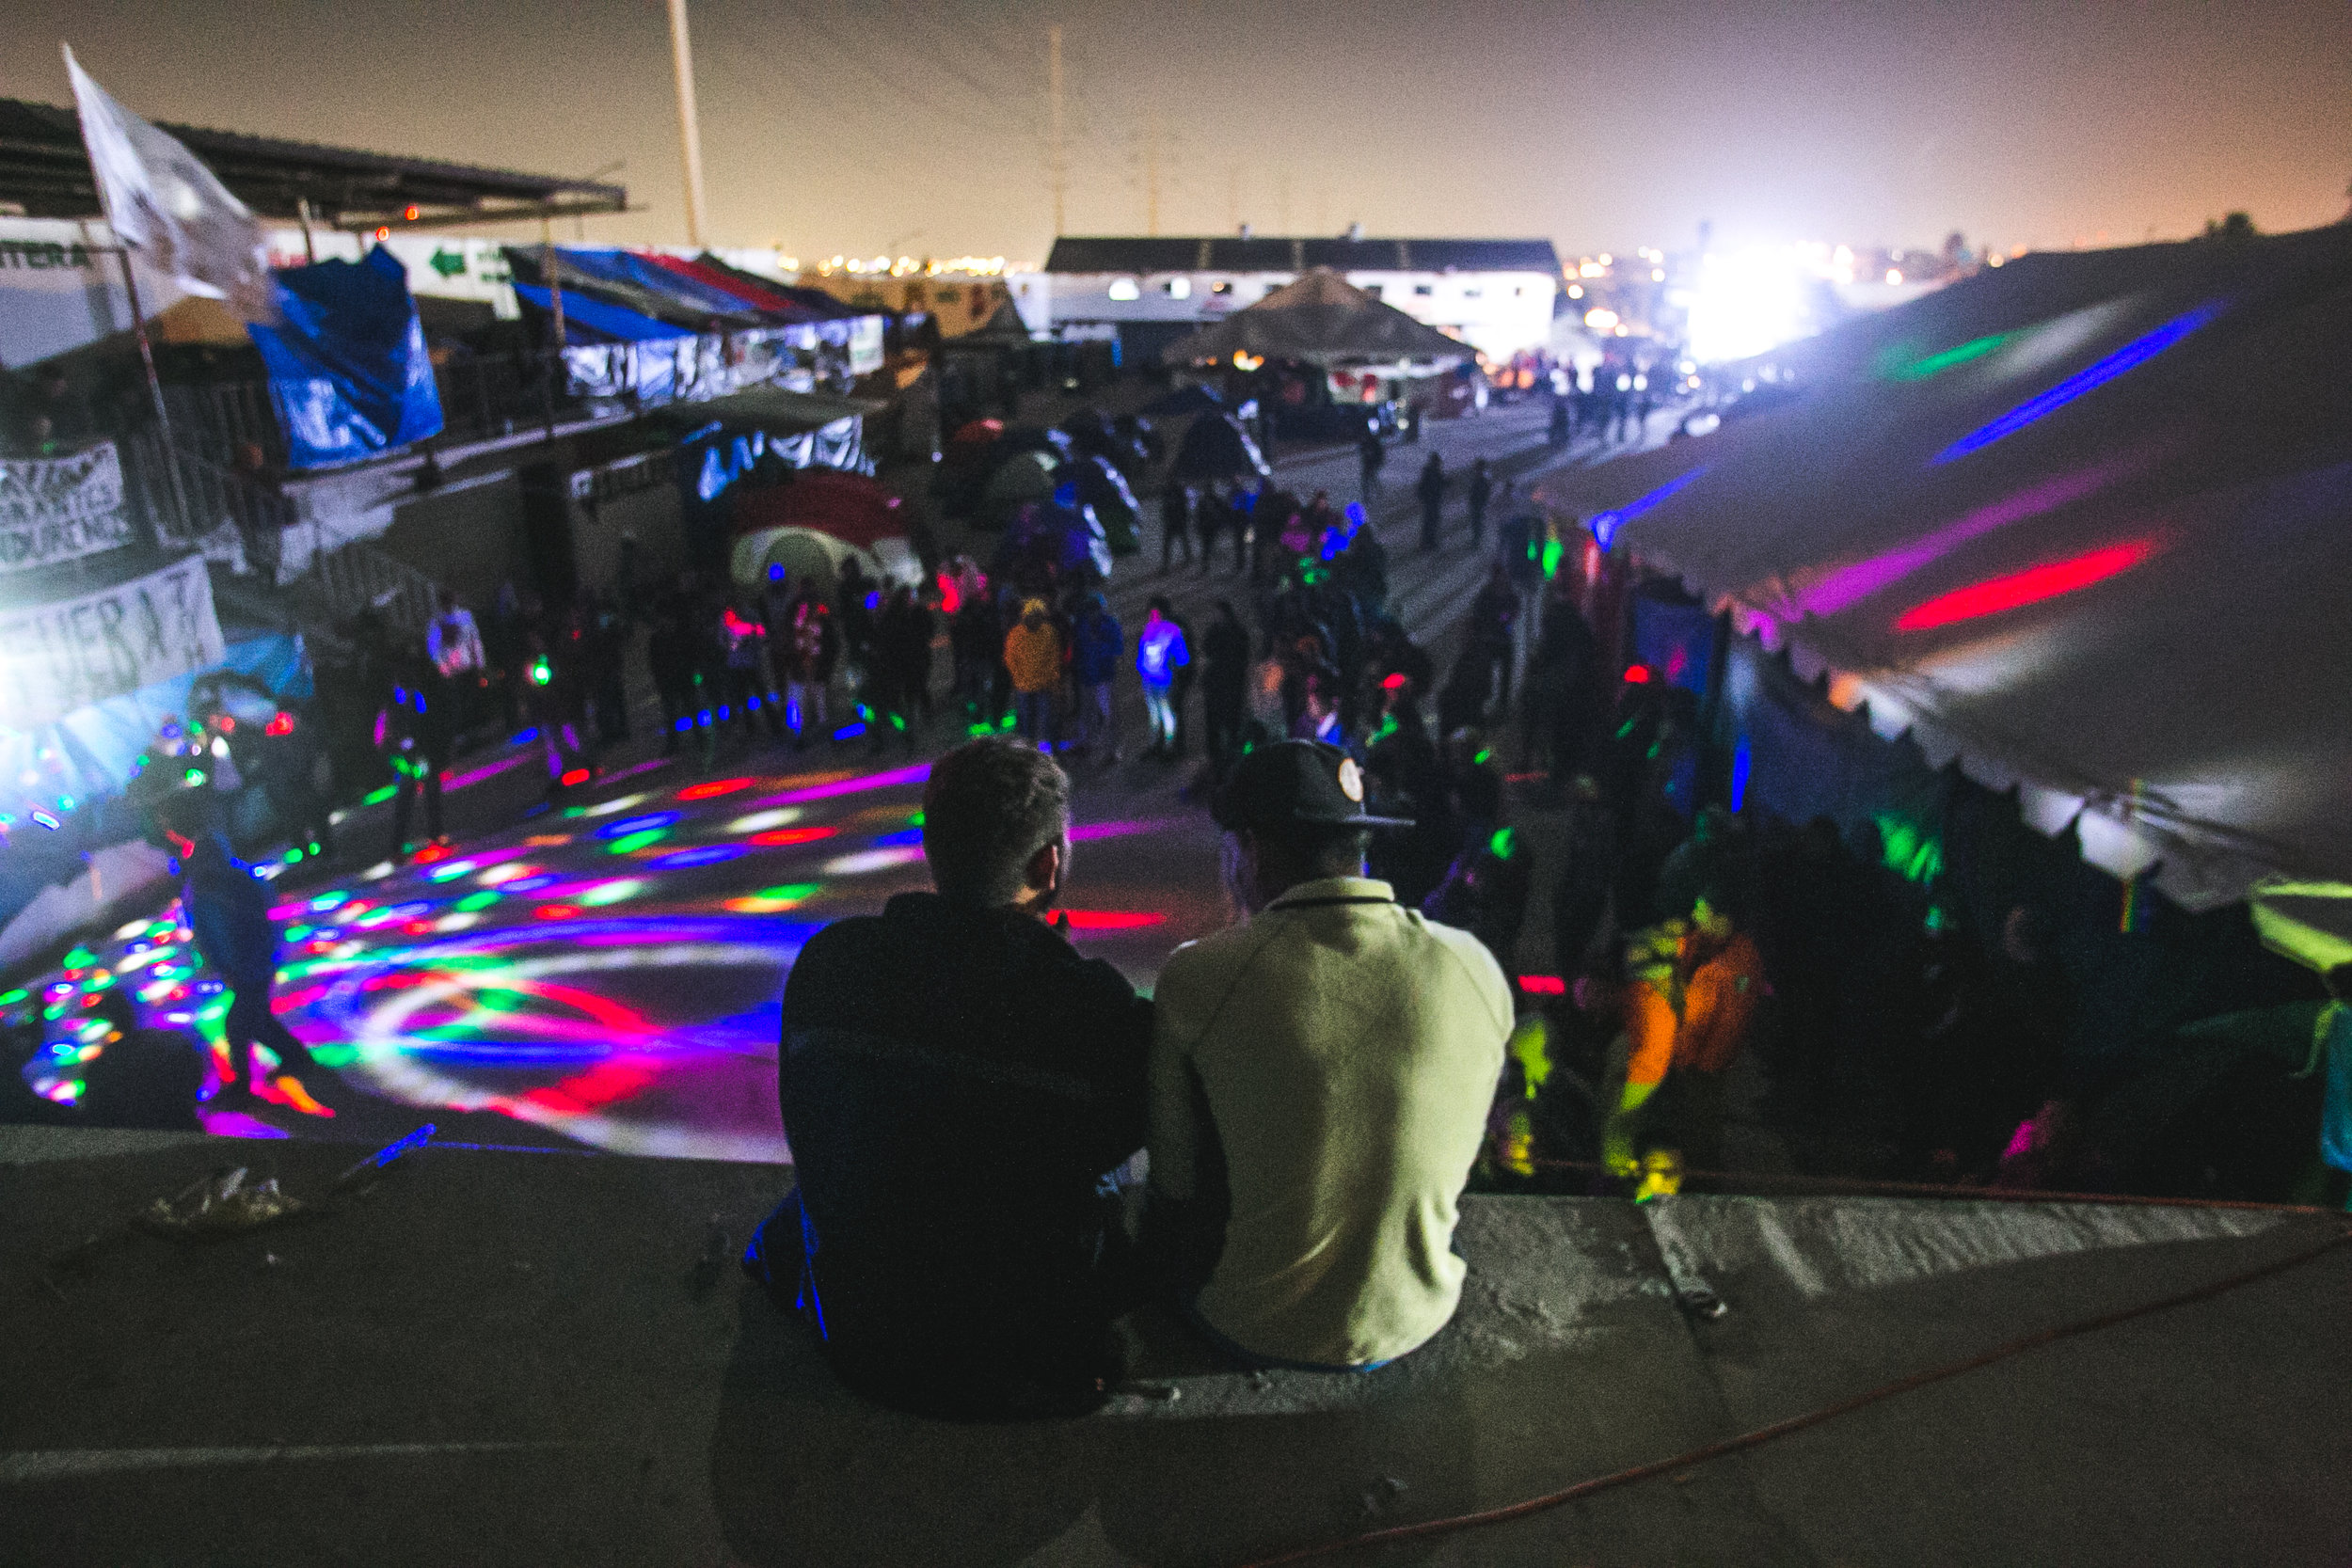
1348, 1053
954, 1081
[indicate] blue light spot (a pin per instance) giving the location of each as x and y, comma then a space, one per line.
710, 854
2130, 357
849, 732
531, 885
527, 736
629, 825
1606, 523
1742, 765
683, 725
892, 841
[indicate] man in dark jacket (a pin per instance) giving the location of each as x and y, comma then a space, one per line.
227, 909
1097, 642
1431, 490
956, 1083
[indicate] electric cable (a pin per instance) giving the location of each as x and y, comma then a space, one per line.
1761, 1435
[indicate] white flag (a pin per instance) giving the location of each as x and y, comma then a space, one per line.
164, 203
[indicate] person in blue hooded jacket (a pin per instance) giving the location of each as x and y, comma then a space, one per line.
1095, 653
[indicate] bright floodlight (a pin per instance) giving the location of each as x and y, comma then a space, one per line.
1748, 303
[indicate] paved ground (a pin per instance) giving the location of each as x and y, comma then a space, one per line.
606, 973
531, 1358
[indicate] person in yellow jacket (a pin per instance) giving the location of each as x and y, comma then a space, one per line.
1033, 655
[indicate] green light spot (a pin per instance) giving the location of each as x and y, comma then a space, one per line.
638, 841
793, 891
81, 958
1937, 364
377, 797
13, 998
335, 1055
1553, 549
1503, 845
473, 901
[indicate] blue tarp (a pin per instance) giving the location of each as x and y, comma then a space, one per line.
590, 322
626, 267
348, 368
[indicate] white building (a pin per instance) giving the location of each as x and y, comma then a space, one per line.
1496, 295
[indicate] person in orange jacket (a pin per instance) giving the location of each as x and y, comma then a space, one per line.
1689, 1002
1033, 655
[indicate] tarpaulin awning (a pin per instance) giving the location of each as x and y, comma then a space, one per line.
627, 269
747, 292
589, 322
1322, 318
2084, 523
348, 369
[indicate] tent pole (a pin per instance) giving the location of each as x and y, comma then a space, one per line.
309, 246
155, 390
555, 296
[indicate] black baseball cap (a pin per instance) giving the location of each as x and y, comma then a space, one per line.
1305, 784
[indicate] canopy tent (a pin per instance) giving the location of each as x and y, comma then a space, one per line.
1322, 319
848, 506
747, 291
588, 321
2081, 523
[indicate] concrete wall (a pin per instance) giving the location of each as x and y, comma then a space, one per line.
653, 516
470, 539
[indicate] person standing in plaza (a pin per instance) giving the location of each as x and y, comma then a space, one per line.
1482, 489
1430, 488
1160, 653
1098, 642
1033, 657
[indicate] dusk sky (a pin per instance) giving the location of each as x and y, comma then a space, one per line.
918, 126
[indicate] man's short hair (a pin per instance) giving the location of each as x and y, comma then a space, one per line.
991, 805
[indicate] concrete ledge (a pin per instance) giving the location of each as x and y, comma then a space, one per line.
516, 1358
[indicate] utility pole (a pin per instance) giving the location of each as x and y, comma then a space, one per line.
689, 134
1152, 174
1056, 170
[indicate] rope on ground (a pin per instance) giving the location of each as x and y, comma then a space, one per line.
1798, 1423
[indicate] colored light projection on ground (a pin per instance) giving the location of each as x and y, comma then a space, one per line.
2129, 357
611, 975
2032, 586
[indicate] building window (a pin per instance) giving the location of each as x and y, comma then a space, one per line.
1472, 294
1178, 288
1422, 291
1124, 288
1372, 289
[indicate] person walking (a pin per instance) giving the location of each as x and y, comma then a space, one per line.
227, 909
1372, 454
813, 646
1160, 652
1482, 489
1336, 1055
1098, 642
1033, 656
417, 735
1431, 490
1225, 685
1175, 525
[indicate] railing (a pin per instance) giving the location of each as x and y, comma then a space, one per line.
342, 582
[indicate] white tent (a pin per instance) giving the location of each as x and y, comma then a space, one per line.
2083, 522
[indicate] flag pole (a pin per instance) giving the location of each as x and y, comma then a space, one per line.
155, 390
